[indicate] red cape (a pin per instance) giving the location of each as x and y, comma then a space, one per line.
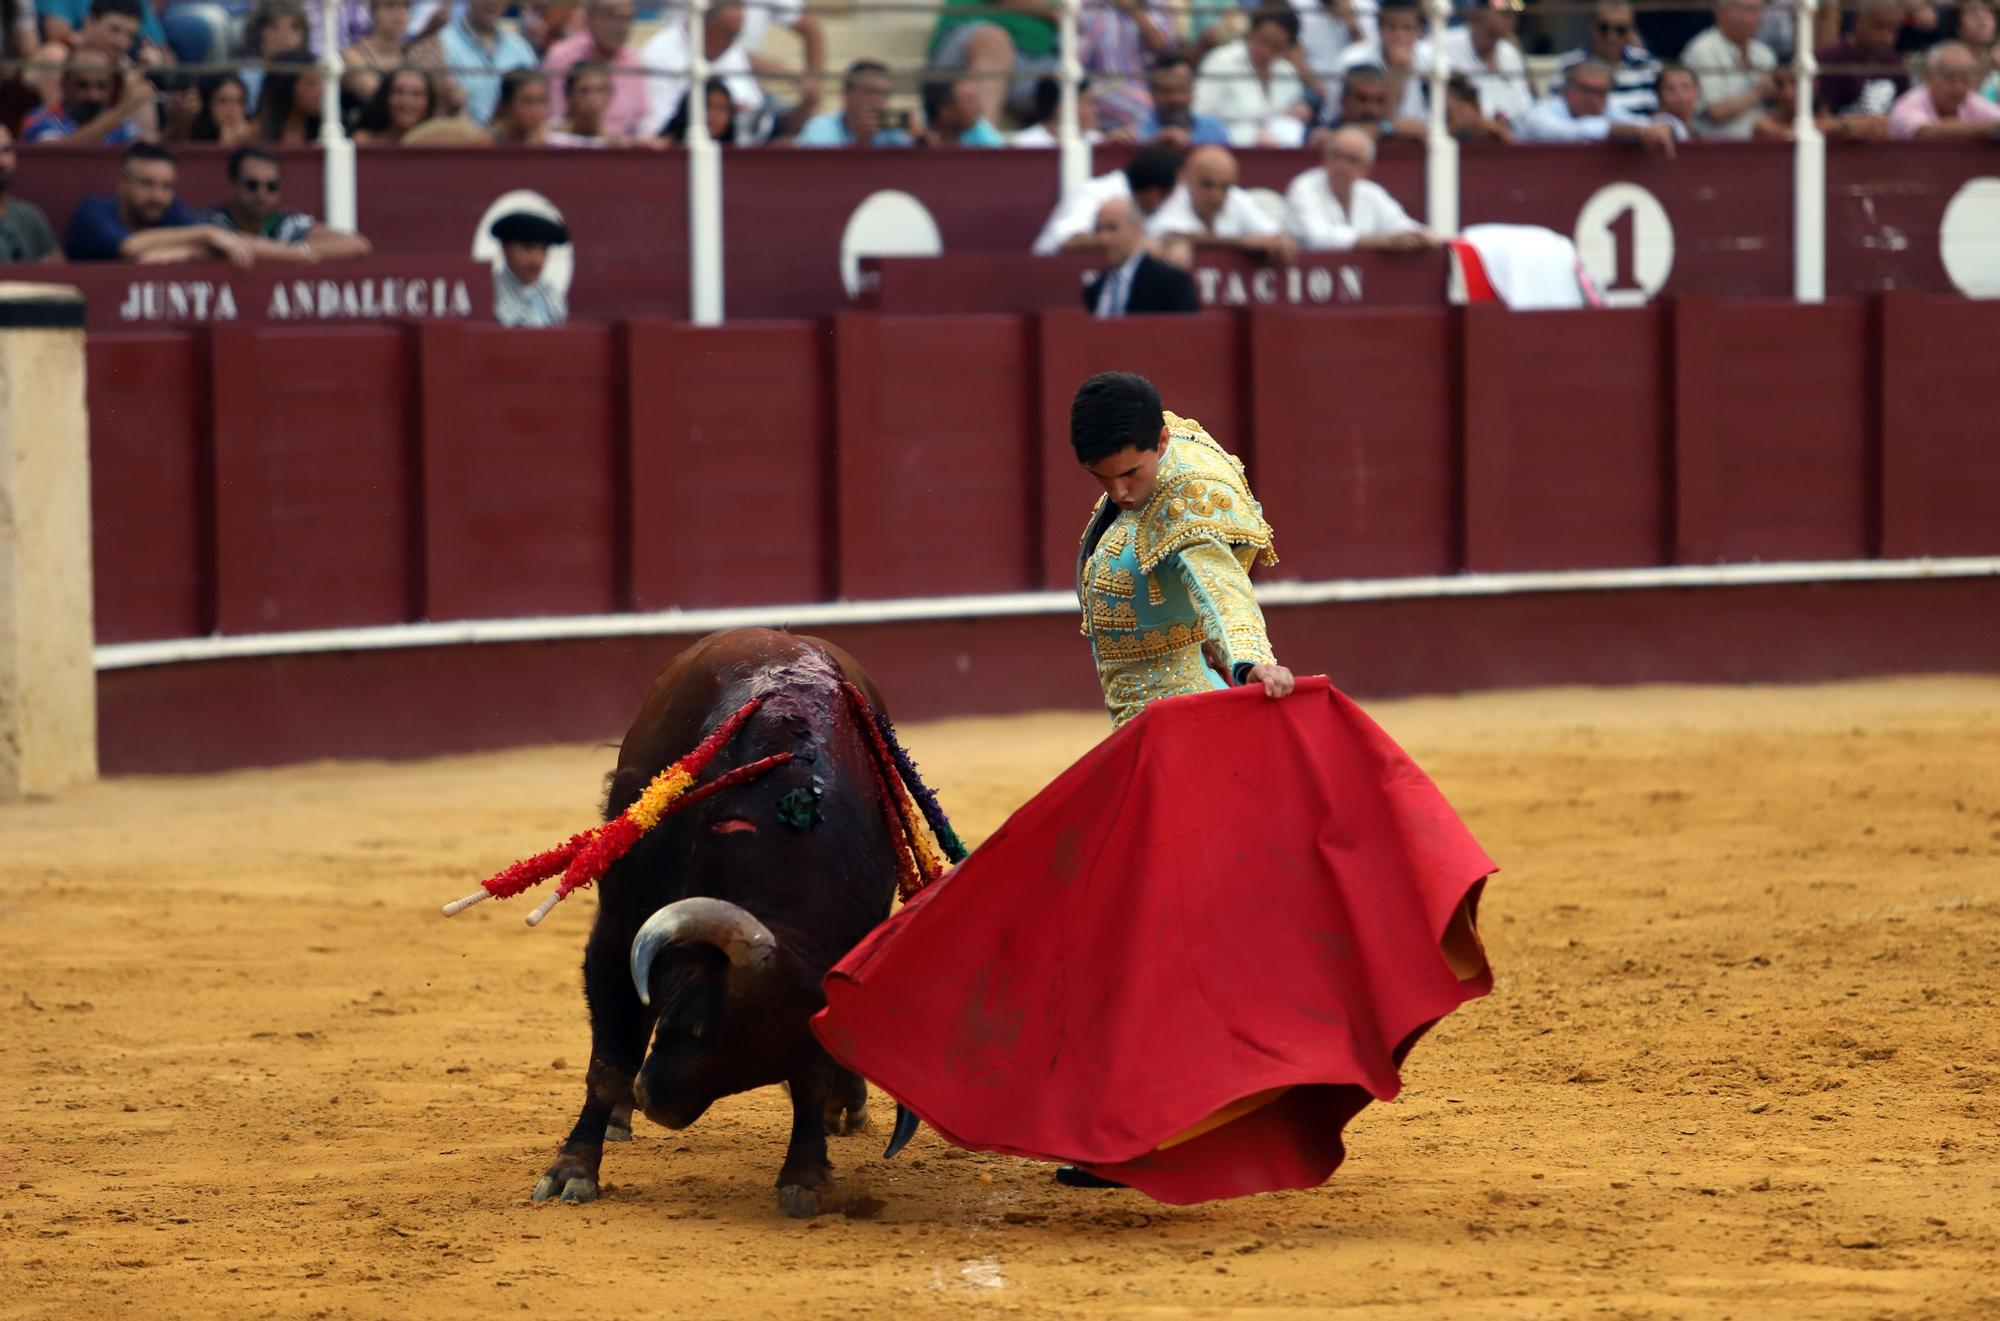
1226, 896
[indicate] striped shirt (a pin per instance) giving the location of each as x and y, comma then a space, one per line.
534, 306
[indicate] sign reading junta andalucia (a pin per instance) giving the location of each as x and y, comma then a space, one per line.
156, 298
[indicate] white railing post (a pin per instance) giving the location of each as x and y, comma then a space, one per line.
1074, 160
1440, 148
343, 200
1808, 169
704, 181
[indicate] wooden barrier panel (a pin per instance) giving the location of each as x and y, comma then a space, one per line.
1195, 361
314, 497
149, 487
1565, 439
1355, 419
731, 441
523, 454
1774, 431
933, 447
1940, 462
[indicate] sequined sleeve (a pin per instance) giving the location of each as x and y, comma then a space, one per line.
1218, 581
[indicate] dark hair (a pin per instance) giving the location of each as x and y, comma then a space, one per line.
677, 127
204, 129
147, 151
250, 153
129, 8
1402, 6
1674, 66
375, 114
1283, 15
278, 97
511, 83
860, 67
1048, 101
937, 96
579, 71
1171, 60
1156, 165
1458, 87
1111, 411
266, 13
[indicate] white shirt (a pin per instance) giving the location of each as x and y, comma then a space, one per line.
757, 19
1326, 39
1041, 135
1551, 120
1504, 90
1723, 72
667, 51
1228, 88
1077, 212
1315, 217
1240, 217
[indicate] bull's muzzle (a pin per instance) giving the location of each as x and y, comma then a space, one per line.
747, 942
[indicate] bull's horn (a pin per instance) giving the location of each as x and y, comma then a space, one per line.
747, 942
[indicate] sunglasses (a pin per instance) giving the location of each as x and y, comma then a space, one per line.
1615, 29
260, 185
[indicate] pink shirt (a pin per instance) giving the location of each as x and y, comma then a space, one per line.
1914, 109
626, 114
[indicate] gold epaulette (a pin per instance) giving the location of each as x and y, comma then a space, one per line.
1202, 496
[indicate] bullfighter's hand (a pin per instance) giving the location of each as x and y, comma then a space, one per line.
1277, 680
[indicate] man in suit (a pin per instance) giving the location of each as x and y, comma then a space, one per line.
1133, 280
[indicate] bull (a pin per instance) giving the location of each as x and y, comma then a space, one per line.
714, 933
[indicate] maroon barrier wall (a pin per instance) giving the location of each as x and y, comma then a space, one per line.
255, 482
1724, 209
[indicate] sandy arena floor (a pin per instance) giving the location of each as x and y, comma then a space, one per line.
1743, 1058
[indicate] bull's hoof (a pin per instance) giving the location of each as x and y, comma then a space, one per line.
618, 1133
799, 1201
567, 1188
842, 1119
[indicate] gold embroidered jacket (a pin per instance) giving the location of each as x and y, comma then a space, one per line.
1158, 581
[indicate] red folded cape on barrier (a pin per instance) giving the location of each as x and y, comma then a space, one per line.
1188, 962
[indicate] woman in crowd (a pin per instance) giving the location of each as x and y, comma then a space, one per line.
380, 50
1979, 29
521, 119
225, 112
288, 112
404, 99
275, 27
586, 97
721, 116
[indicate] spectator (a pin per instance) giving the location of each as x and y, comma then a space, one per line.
1005, 45
665, 54
25, 235
1944, 107
179, 108
225, 112
521, 119
402, 101
520, 296
1048, 111
604, 42
1399, 27
474, 39
1338, 208
351, 21
94, 110
722, 126
145, 221
276, 27
864, 114
377, 51
1979, 28
1463, 118
1365, 104
951, 115
1209, 210
1614, 43
1117, 40
256, 184
1133, 282
586, 98
1680, 100
1734, 69
1330, 31
1582, 112
1256, 80
111, 27
1865, 75
294, 94
1484, 50
1173, 120
1148, 179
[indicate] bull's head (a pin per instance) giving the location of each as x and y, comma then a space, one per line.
698, 956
